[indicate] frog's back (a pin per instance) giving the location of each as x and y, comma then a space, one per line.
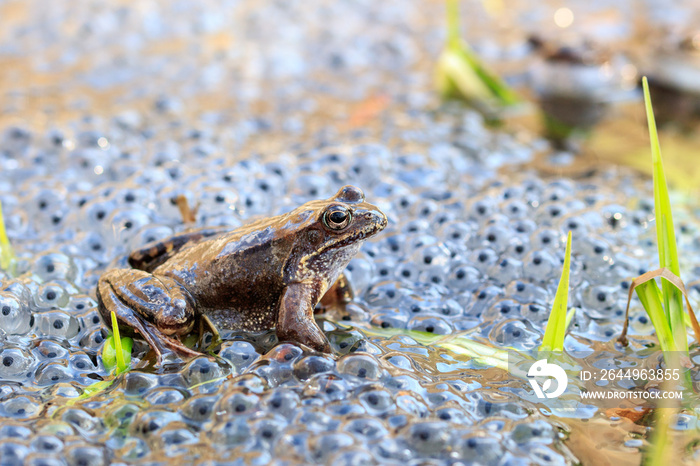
235, 278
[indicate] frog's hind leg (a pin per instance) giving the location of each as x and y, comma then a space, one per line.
156, 308
339, 294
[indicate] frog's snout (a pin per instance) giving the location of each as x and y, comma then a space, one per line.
376, 219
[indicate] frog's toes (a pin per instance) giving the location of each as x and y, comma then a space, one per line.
307, 333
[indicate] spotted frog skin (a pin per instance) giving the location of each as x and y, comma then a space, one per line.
270, 273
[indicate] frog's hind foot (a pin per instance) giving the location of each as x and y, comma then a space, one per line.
112, 300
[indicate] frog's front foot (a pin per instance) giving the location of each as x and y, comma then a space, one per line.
295, 320
157, 308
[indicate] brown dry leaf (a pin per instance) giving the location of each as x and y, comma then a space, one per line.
367, 110
676, 281
601, 441
633, 414
189, 215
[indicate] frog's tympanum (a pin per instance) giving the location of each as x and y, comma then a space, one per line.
267, 274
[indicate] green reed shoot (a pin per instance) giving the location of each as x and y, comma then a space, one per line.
460, 75
7, 255
665, 305
116, 352
559, 320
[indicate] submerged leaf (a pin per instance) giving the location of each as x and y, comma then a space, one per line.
555, 333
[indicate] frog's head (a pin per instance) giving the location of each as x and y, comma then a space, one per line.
332, 233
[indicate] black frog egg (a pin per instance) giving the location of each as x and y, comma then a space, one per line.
125, 223
52, 295
483, 299
483, 259
546, 238
16, 364
463, 277
56, 324
310, 187
323, 446
311, 365
240, 354
603, 301
435, 275
506, 270
237, 404
456, 236
47, 349
495, 237
51, 373
199, 408
150, 234
515, 208
430, 324
503, 309
393, 245
424, 208
407, 272
481, 447
404, 202
82, 363
385, 267
202, 370
429, 438
597, 252
44, 202
282, 402
15, 317
640, 324
389, 318
482, 209
363, 366
525, 292
98, 212
541, 266
535, 312
54, 266
524, 226
416, 226
516, 333
384, 293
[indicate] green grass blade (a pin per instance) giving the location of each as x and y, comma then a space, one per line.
650, 296
452, 8
555, 332
121, 365
7, 255
116, 352
665, 233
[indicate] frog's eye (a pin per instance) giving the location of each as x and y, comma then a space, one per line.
337, 218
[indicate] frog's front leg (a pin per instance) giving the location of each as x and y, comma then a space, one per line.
295, 319
339, 294
157, 308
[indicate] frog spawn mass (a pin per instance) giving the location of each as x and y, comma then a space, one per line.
465, 249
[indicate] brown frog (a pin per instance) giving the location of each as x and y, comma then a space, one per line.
270, 273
